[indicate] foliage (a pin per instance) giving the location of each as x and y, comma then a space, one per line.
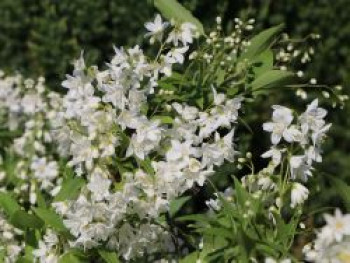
104, 172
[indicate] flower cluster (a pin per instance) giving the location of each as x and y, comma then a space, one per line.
47, 250
333, 240
105, 126
304, 139
9, 245
276, 188
27, 108
105, 167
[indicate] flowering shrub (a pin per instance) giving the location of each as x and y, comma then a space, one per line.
100, 173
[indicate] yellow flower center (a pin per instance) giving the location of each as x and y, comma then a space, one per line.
339, 225
344, 257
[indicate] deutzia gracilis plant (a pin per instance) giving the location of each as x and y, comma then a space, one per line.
101, 173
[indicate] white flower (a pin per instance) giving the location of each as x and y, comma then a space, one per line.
222, 149
333, 240
214, 204
46, 251
318, 135
313, 154
271, 260
188, 113
146, 139
99, 184
44, 171
312, 118
183, 33
176, 55
83, 152
299, 167
298, 195
275, 154
32, 103
180, 152
120, 58
220, 116
339, 224
266, 183
281, 119
194, 173
156, 28
219, 98
114, 94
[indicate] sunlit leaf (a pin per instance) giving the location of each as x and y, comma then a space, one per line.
172, 9
109, 256
261, 42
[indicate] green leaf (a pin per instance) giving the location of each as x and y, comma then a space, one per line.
163, 119
241, 193
272, 79
10, 134
343, 190
30, 238
176, 204
23, 220
146, 164
263, 63
2, 254
172, 9
217, 231
9, 204
24, 260
199, 218
28, 255
69, 257
70, 189
40, 198
190, 258
50, 218
261, 42
108, 256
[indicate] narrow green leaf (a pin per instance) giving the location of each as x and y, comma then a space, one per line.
261, 42
9, 204
50, 218
24, 260
2, 254
190, 258
40, 198
216, 231
176, 204
70, 189
199, 218
10, 134
23, 220
172, 9
263, 63
108, 256
163, 119
30, 238
28, 255
241, 194
69, 257
147, 165
272, 79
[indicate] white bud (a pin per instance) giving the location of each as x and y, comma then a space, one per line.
241, 160
313, 81
300, 74
325, 94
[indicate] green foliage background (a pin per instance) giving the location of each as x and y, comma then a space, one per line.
41, 37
